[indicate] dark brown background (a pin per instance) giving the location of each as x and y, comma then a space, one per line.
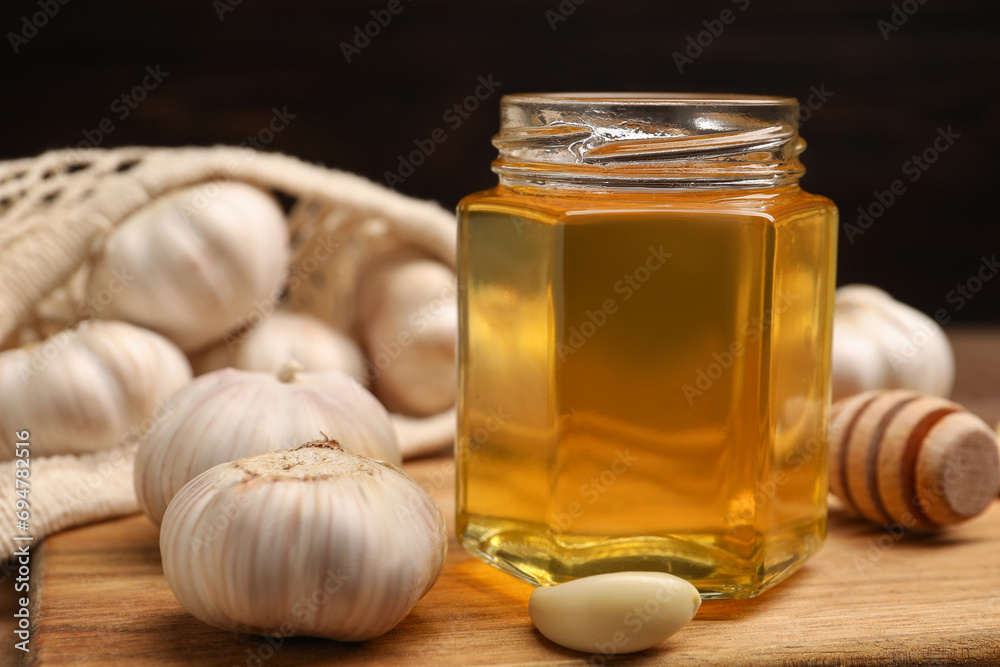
888, 100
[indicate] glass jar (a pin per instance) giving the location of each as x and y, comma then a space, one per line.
644, 342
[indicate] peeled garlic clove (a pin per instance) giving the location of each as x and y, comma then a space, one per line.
409, 321
230, 414
619, 612
880, 343
195, 263
285, 335
95, 387
313, 541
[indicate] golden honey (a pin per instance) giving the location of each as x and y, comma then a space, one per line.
644, 370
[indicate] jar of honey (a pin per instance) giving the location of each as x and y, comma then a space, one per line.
644, 342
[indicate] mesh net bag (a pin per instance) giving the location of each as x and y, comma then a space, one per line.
55, 210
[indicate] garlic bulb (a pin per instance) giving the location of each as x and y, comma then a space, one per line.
409, 319
285, 335
229, 414
195, 263
312, 541
86, 389
880, 343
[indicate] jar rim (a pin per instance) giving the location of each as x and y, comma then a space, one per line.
643, 140
649, 98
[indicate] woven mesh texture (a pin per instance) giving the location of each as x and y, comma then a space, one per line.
57, 208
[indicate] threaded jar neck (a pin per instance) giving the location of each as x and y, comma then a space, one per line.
648, 141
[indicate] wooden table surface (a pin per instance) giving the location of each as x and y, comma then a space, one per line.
866, 598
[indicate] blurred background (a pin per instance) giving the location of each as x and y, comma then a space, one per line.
896, 95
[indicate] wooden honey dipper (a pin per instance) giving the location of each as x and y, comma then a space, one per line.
921, 461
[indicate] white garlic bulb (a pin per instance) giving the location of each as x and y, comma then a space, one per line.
880, 343
409, 319
313, 541
285, 335
229, 414
195, 263
86, 389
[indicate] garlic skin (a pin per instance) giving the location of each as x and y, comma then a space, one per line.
313, 541
409, 321
87, 389
285, 335
195, 263
230, 414
880, 343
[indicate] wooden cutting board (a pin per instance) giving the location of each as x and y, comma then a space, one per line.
866, 599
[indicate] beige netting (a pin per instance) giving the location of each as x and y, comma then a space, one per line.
56, 208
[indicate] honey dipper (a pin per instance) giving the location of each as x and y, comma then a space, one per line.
921, 461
